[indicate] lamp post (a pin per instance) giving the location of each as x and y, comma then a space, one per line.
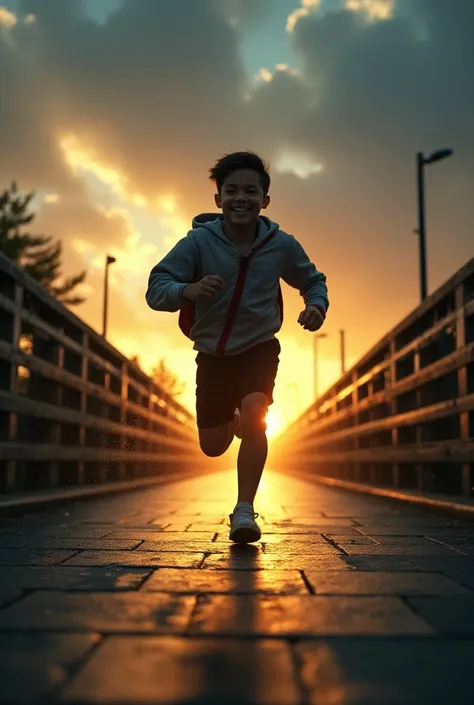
421, 162
109, 260
342, 333
316, 338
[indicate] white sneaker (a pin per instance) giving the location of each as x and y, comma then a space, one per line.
243, 527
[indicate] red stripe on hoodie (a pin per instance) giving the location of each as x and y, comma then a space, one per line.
237, 295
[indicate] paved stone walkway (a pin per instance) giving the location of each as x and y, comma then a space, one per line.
140, 598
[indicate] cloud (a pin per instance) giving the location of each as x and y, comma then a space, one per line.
307, 6
80, 220
372, 9
141, 105
7, 18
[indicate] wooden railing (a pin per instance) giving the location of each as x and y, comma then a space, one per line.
74, 410
404, 414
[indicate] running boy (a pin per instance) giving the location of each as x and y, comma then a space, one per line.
224, 278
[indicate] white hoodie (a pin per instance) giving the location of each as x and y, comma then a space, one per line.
249, 309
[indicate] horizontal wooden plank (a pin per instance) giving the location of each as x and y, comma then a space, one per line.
410, 418
440, 452
431, 301
413, 346
19, 275
42, 452
78, 349
50, 371
441, 367
60, 414
301, 428
38, 323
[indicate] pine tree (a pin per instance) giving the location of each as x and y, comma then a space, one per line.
39, 255
167, 380
163, 377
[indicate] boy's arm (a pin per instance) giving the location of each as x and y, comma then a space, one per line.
301, 274
169, 277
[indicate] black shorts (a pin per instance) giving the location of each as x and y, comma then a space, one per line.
223, 382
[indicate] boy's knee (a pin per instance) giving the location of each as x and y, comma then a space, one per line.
212, 451
215, 441
254, 409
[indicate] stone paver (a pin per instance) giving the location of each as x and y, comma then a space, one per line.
400, 584
147, 559
451, 615
306, 615
67, 578
33, 666
247, 560
98, 612
172, 670
387, 671
140, 598
13, 556
196, 582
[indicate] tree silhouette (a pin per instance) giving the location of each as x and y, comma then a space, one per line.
38, 255
164, 378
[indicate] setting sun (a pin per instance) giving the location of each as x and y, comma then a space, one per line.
275, 423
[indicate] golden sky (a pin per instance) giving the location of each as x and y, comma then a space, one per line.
114, 111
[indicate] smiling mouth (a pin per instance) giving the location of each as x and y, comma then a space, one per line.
240, 210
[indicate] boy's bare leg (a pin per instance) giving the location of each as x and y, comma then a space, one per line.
254, 447
215, 441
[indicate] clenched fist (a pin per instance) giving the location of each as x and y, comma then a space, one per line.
311, 318
208, 286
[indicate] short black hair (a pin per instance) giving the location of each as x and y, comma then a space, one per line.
240, 160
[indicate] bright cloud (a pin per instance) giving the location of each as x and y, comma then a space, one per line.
7, 18
265, 75
299, 164
82, 160
52, 198
373, 9
307, 7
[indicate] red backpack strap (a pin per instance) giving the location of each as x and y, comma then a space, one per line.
187, 316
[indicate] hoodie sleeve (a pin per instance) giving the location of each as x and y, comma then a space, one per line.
171, 275
301, 274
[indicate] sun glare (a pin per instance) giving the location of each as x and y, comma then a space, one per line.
275, 423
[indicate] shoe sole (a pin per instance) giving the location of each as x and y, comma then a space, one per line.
244, 534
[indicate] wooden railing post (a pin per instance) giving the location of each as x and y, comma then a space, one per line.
393, 408
466, 479
123, 416
11, 469
53, 471
83, 405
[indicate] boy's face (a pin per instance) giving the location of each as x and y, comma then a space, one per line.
241, 197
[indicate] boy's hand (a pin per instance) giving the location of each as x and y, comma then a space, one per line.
208, 286
311, 318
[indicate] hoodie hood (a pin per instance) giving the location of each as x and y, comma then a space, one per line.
214, 223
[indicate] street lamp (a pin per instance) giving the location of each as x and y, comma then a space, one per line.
316, 338
109, 260
421, 162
